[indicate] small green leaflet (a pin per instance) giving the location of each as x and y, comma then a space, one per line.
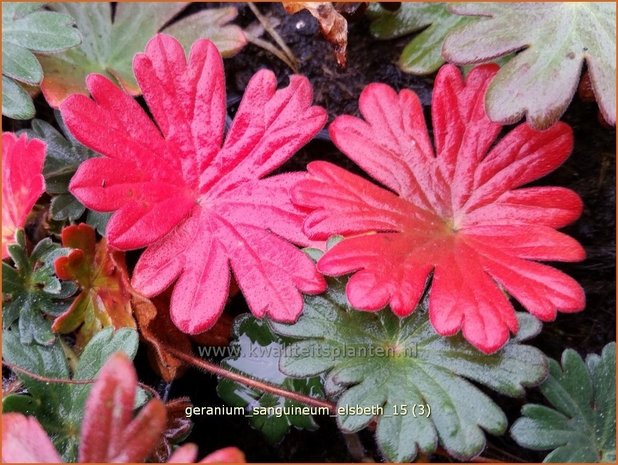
581, 426
256, 352
63, 157
28, 29
60, 407
553, 40
419, 379
422, 55
31, 290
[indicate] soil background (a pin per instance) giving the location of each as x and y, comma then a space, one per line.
590, 171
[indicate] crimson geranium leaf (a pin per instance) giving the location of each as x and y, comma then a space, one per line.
22, 182
200, 203
460, 213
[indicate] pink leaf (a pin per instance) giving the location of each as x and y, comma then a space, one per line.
199, 202
109, 431
25, 441
225, 455
461, 213
22, 182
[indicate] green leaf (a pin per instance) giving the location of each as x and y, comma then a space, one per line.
20, 64
417, 382
581, 426
555, 39
256, 352
422, 55
108, 47
31, 290
49, 403
62, 158
60, 407
98, 220
41, 31
100, 348
212, 24
27, 29
16, 102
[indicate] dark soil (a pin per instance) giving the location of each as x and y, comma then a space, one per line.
590, 171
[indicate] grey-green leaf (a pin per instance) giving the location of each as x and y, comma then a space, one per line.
255, 351
420, 385
553, 40
422, 55
16, 102
581, 424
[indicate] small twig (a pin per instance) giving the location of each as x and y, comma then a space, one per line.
45, 379
248, 381
274, 50
276, 37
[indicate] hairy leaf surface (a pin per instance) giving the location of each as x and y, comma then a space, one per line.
581, 424
424, 383
455, 210
422, 55
202, 204
554, 40
28, 29
256, 353
108, 47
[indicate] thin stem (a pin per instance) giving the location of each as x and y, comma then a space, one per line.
45, 379
274, 50
248, 381
276, 37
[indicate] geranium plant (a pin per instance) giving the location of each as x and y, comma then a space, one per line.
457, 209
181, 273
109, 433
200, 203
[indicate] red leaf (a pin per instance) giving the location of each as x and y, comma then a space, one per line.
109, 431
225, 455
200, 202
25, 441
188, 452
461, 213
105, 298
22, 182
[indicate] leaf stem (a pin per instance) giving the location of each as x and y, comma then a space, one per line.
45, 379
272, 49
248, 381
276, 37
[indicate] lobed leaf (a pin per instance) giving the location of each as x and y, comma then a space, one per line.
581, 426
434, 21
31, 291
553, 40
174, 182
455, 214
60, 407
108, 47
27, 30
256, 353
418, 384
